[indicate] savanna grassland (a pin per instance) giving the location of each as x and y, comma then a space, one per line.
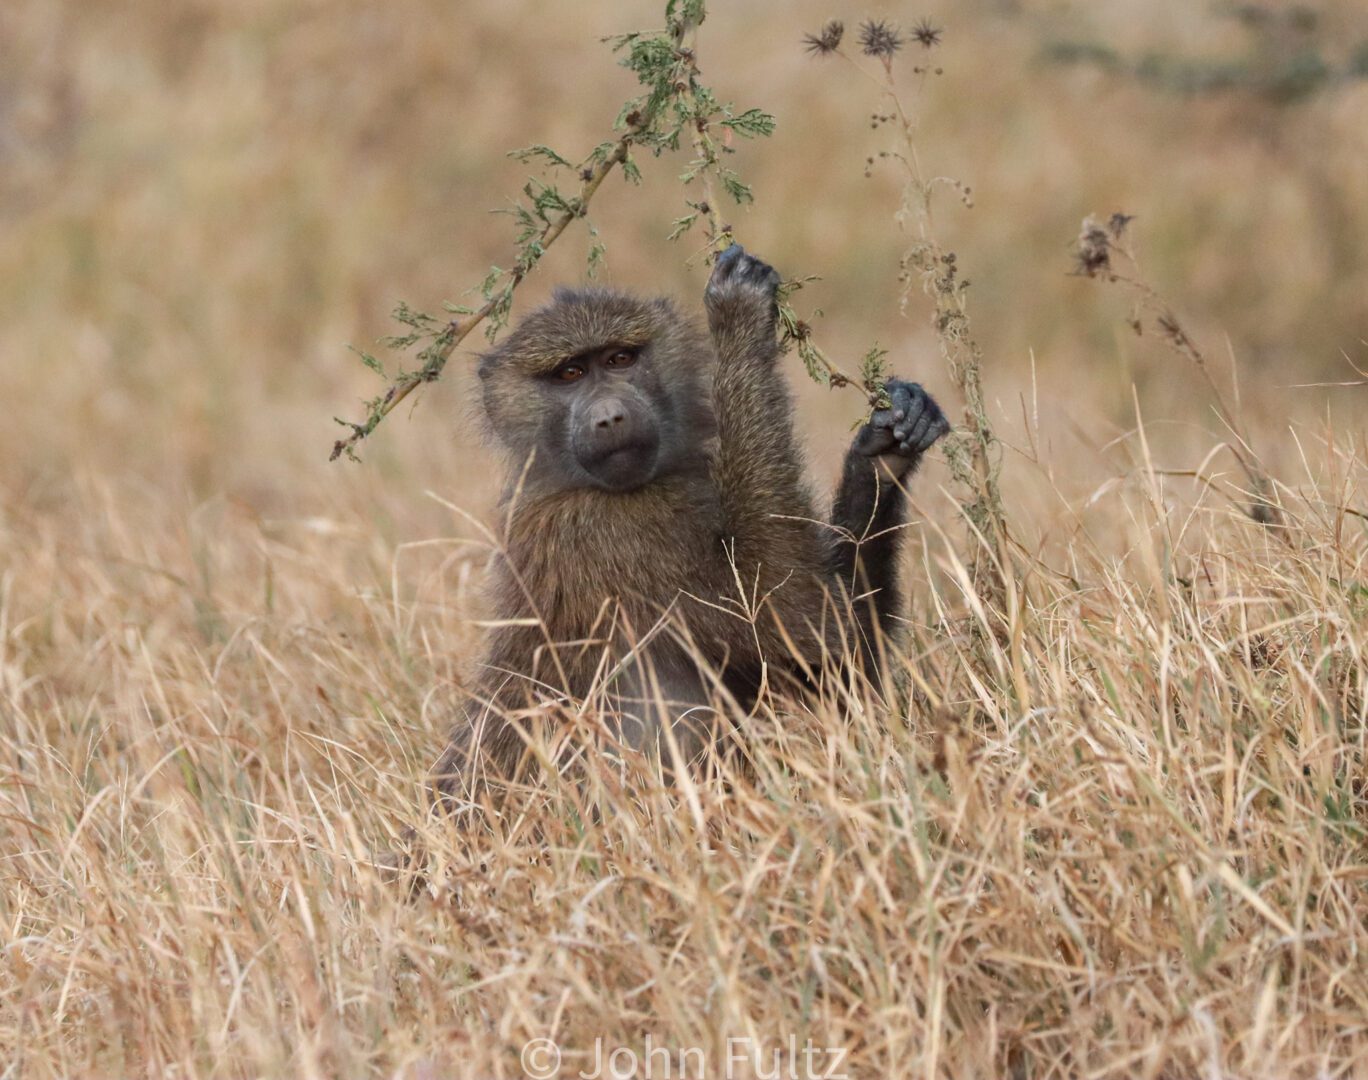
1116, 828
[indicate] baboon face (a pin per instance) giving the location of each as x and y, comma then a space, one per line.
611, 415
599, 390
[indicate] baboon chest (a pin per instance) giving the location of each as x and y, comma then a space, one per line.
600, 560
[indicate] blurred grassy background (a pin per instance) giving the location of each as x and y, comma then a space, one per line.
202, 204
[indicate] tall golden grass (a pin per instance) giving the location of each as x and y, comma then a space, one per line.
1120, 834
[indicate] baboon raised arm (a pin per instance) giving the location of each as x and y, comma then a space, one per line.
768, 510
660, 538
870, 507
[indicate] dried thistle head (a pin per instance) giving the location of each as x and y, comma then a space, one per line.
879, 38
1092, 254
1116, 224
828, 41
926, 35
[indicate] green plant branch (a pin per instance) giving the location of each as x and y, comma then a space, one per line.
674, 99
436, 355
707, 160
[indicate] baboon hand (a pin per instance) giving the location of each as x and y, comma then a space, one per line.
905, 430
742, 291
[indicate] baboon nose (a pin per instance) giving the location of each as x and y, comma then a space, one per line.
609, 413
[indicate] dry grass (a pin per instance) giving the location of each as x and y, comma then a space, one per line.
1125, 837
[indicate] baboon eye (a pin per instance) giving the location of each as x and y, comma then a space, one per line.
570, 372
621, 358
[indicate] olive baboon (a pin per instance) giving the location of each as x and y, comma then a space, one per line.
660, 540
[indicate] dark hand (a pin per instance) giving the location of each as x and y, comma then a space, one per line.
743, 287
905, 430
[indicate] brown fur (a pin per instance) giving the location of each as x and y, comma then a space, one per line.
596, 569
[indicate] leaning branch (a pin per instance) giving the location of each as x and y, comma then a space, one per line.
436, 356
719, 233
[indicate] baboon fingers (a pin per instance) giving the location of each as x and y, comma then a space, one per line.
930, 429
876, 437
909, 402
917, 421
734, 266
725, 262
939, 427
913, 439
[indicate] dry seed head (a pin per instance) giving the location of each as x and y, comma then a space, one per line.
926, 35
1116, 224
1092, 255
878, 38
828, 41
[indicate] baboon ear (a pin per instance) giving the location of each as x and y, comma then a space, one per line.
485, 367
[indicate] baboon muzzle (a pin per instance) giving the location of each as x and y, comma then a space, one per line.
615, 440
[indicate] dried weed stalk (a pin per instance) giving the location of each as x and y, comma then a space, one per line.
1104, 252
972, 451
